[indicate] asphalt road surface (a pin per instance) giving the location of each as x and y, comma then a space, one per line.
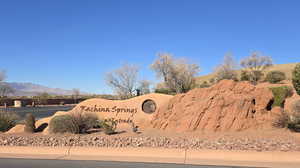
39, 163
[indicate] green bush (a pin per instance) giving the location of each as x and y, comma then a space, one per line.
204, 84
245, 76
29, 123
281, 121
212, 80
291, 122
225, 73
108, 126
295, 108
85, 121
275, 76
296, 78
251, 76
280, 94
256, 76
63, 124
164, 91
7, 121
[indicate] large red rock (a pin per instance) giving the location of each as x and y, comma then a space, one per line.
226, 106
291, 105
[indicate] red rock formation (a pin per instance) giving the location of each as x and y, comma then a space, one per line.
226, 106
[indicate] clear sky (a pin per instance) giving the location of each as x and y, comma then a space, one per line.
73, 43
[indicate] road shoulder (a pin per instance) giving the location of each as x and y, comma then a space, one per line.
158, 155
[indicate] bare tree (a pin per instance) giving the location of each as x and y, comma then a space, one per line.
123, 80
178, 75
255, 64
75, 94
163, 65
5, 89
42, 98
2, 75
227, 70
144, 87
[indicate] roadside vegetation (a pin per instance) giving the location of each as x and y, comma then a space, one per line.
63, 124
275, 77
29, 123
291, 119
78, 122
7, 121
177, 74
280, 94
226, 70
288, 121
296, 78
5, 90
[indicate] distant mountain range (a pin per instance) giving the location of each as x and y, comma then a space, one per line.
30, 89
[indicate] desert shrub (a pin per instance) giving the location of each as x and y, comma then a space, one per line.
255, 64
294, 123
212, 80
256, 76
251, 76
63, 124
295, 108
291, 122
108, 126
223, 74
7, 121
164, 91
226, 70
275, 76
204, 84
280, 94
281, 121
245, 76
296, 78
85, 121
29, 123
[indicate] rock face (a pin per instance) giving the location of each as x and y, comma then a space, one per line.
226, 106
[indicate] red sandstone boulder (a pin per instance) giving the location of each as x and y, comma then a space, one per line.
291, 105
226, 106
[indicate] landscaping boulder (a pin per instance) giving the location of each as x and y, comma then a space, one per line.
226, 106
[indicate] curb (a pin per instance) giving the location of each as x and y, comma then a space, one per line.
158, 155
161, 155
244, 158
33, 152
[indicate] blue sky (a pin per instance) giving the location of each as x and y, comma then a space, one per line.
73, 43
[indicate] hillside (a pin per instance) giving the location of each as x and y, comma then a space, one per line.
286, 68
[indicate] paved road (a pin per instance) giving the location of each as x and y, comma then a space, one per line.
39, 163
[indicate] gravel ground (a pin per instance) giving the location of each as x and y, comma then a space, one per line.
223, 143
